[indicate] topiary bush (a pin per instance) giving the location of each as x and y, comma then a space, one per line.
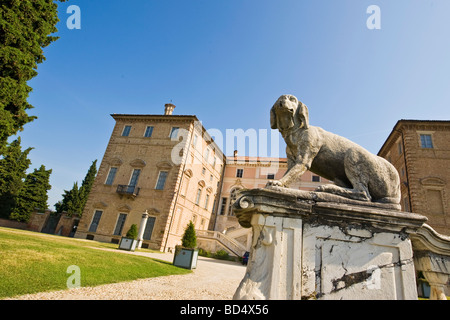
133, 232
189, 239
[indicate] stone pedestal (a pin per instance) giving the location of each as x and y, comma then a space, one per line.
305, 249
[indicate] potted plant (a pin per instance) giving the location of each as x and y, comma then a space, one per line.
129, 242
186, 255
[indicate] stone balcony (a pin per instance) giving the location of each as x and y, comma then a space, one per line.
126, 190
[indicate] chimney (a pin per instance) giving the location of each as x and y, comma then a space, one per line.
168, 109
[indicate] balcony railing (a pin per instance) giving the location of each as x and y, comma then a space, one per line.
124, 189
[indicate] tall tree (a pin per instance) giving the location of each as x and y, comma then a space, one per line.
75, 199
32, 195
13, 167
71, 202
87, 183
25, 29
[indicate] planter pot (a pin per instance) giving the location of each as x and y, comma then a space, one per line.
185, 258
128, 244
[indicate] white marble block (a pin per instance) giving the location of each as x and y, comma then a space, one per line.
306, 250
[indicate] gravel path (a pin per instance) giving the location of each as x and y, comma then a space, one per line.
212, 279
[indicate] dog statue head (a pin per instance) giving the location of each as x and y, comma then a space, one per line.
287, 113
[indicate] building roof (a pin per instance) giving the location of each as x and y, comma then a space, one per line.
245, 159
402, 122
162, 116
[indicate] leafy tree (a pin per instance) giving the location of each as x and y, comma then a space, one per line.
25, 29
13, 167
32, 195
74, 200
189, 239
133, 232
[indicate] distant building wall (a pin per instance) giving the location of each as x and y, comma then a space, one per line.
420, 151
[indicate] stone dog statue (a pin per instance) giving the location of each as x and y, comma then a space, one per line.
357, 173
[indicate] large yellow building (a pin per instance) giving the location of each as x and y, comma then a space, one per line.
164, 165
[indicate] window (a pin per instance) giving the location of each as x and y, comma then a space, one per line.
111, 176
148, 132
425, 141
185, 187
399, 147
149, 228
223, 206
207, 154
197, 198
134, 180
239, 173
434, 200
161, 180
119, 224
126, 131
271, 176
95, 221
174, 133
206, 201
315, 178
203, 170
194, 142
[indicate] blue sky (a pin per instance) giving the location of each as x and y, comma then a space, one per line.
227, 61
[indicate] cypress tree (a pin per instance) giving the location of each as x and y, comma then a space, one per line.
87, 183
71, 202
13, 167
74, 200
25, 29
32, 195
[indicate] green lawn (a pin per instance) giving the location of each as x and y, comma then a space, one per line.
33, 262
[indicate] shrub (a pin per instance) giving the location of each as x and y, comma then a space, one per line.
204, 253
222, 255
133, 232
189, 239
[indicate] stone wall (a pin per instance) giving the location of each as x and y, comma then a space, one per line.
13, 224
